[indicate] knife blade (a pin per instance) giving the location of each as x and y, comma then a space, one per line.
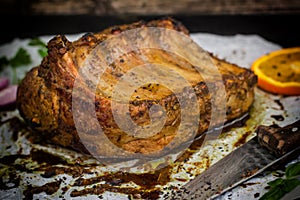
271, 146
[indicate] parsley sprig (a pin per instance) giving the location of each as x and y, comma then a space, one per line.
22, 57
281, 186
43, 51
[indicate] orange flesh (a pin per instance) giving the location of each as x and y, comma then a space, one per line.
279, 71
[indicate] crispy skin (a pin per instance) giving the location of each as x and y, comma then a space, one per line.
44, 97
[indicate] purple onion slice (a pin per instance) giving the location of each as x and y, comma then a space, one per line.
8, 97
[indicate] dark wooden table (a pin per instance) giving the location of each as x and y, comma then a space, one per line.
281, 29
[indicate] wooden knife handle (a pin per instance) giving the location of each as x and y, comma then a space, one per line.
279, 140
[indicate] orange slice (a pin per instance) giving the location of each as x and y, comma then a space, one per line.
279, 71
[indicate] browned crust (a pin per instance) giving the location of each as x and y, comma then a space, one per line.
44, 97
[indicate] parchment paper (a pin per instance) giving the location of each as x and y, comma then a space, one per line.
238, 49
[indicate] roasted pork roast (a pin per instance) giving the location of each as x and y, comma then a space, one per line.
44, 97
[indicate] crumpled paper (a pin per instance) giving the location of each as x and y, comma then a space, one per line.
238, 49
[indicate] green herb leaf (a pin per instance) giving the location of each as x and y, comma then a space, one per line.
21, 58
37, 42
274, 193
3, 62
276, 182
293, 170
281, 186
43, 52
289, 184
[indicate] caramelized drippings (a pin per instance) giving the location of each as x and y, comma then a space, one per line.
50, 165
242, 139
44, 157
279, 104
48, 188
278, 117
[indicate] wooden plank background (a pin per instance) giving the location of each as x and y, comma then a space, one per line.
148, 7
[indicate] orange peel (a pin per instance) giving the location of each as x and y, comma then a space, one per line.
278, 72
